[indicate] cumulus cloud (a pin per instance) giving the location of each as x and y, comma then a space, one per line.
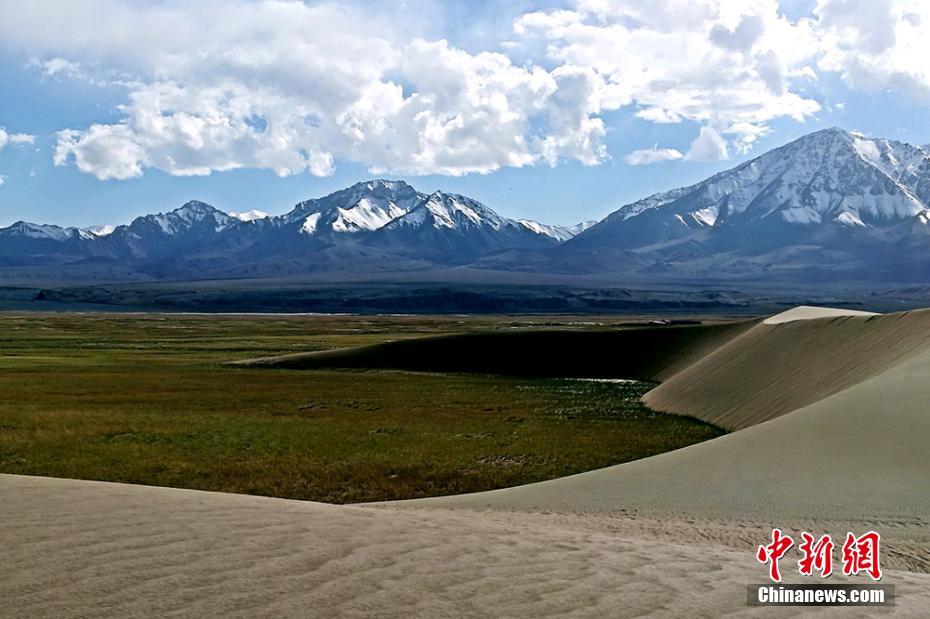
293, 87
655, 154
2, 180
730, 64
877, 44
195, 130
296, 87
708, 146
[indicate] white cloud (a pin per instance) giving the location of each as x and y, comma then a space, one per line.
16, 139
292, 88
708, 146
877, 44
60, 67
191, 131
22, 138
732, 64
106, 151
744, 135
575, 131
655, 154
64, 69
297, 87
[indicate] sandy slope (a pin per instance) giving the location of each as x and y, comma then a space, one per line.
857, 455
75, 549
670, 535
773, 369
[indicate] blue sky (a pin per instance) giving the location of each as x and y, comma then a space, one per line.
534, 108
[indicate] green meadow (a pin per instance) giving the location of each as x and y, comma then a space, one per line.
151, 399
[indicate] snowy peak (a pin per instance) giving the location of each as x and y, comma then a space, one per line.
24, 229
195, 211
830, 176
453, 229
452, 212
194, 215
363, 207
98, 231
252, 215
559, 233
367, 214
827, 178
831, 201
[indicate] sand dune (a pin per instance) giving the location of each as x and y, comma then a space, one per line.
856, 455
79, 549
832, 420
773, 369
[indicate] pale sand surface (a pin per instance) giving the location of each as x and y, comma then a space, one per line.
672, 535
860, 455
773, 369
82, 549
807, 312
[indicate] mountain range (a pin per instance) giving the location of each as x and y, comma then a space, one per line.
832, 205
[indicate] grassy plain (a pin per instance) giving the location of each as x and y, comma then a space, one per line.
149, 399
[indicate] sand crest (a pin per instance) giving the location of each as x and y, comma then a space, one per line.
773, 369
809, 312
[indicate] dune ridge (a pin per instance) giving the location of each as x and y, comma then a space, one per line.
808, 312
855, 453
858, 454
778, 367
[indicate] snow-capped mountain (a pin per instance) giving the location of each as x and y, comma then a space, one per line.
830, 205
374, 225
252, 215
25, 244
831, 200
26, 230
363, 207
194, 215
444, 224
189, 228
98, 231
559, 233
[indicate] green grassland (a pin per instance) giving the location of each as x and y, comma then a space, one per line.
151, 399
